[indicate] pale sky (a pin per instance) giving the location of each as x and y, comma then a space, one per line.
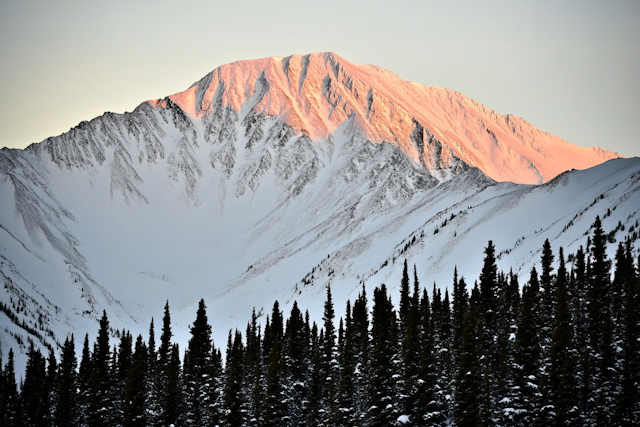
571, 68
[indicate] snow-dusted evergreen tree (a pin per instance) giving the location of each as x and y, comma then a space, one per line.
135, 402
628, 400
382, 391
362, 350
102, 407
235, 404
468, 406
10, 402
297, 366
526, 369
273, 410
66, 400
330, 368
198, 365
345, 412
562, 375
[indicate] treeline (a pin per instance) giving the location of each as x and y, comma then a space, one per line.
563, 349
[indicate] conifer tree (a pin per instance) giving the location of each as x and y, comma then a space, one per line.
346, 414
527, 355
32, 389
101, 406
135, 396
160, 391
234, 401
628, 401
562, 364
297, 363
411, 351
254, 377
361, 346
469, 375
273, 409
67, 404
197, 371
601, 328
11, 398
383, 408
405, 301
330, 368
174, 399
314, 404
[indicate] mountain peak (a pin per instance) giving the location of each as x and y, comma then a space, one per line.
318, 93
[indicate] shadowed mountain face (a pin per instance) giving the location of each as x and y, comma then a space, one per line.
268, 179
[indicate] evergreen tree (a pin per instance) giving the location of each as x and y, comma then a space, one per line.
101, 405
527, 356
562, 370
84, 381
135, 396
330, 369
314, 403
197, 371
346, 414
383, 410
274, 409
405, 301
601, 328
173, 402
11, 399
469, 375
234, 401
33, 389
628, 402
361, 346
254, 377
297, 364
160, 403
67, 404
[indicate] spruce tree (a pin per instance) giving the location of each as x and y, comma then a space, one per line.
527, 356
383, 410
197, 370
32, 389
101, 409
11, 397
234, 400
67, 403
469, 375
297, 364
628, 401
135, 395
562, 373
405, 301
273, 410
330, 368
601, 328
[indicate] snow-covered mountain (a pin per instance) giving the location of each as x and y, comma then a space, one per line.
269, 179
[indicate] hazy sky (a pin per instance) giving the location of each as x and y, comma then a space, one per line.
571, 68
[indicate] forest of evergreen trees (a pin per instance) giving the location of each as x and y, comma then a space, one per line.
558, 348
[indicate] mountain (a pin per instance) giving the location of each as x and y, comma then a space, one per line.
269, 179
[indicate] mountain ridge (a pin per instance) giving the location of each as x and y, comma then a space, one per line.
245, 206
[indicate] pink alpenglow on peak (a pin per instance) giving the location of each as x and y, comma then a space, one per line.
319, 93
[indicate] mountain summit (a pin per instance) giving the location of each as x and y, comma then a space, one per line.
319, 93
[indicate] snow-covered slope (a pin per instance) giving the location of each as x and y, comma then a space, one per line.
269, 179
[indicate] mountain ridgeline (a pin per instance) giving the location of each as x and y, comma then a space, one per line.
273, 179
559, 348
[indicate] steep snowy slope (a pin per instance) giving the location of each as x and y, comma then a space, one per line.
269, 179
